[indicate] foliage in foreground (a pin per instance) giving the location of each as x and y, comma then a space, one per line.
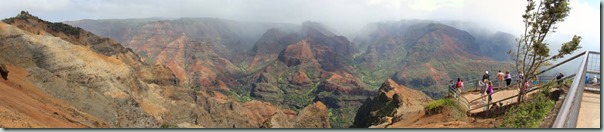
529, 114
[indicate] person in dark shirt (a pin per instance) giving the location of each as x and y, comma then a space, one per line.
486, 76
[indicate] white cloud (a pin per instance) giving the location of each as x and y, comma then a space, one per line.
347, 16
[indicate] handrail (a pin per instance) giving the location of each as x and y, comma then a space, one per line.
494, 88
532, 89
569, 111
565, 61
466, 104
508, 98
554, 66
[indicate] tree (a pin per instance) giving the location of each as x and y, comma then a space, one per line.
532, 51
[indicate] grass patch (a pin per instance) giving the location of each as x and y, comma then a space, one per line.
437, 106
446, 105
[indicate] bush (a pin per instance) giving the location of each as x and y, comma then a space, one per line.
67, 29
529, 114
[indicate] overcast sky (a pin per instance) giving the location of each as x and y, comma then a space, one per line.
346, 16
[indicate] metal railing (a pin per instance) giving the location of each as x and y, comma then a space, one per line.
567, 116
461, 100
569, 111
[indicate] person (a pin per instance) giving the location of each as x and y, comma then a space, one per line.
483, 87
526, 86
458, 86
595, 80
559, 78
586, 79
486, 75
508, 79
500, 77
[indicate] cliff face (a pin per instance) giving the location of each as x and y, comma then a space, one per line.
68, 77
393, 103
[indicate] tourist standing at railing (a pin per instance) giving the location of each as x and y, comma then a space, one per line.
458, 86
489, 92
500, 77
483, 87
508, 79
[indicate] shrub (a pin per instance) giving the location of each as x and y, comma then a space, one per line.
529, 114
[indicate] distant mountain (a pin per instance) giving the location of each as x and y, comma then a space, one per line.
425, 55
292, 66
203, 52
297, 68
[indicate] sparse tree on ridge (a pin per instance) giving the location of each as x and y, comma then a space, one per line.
532, 50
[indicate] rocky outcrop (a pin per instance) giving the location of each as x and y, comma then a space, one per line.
393, 102
312, 116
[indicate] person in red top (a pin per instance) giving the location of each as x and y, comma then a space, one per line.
458, 86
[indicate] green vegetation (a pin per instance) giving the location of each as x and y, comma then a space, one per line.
313, 88
297, 101
342, 117
245, 97
529, 114
438, 104
446, 104
21, 16
67, 29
